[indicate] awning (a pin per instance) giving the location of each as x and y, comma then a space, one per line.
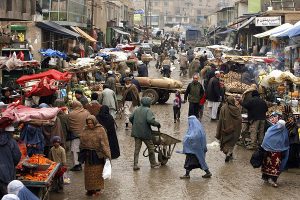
246, 23
121, 32
83, 34
288, 32
56, 28
214, 30
18, 27
274, 30
226, 32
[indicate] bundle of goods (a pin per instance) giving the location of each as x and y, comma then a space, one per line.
146, 58
236, 87
278, 77
232, 76
166, 83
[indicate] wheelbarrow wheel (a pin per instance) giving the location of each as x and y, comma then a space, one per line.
162, 159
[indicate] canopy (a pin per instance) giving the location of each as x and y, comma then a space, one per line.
52, 74
53, 53
121, 32
227, 31
290, 32
56, 28
83, 34
246, 23
277, 29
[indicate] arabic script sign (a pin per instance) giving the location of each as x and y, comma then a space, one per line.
268, 21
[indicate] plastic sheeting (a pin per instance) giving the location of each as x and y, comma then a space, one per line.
277, 29
53, 53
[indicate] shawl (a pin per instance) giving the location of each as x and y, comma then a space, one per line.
106, 120
95, 139
93, 107
194, 142
77, 118
17, 188
229, 124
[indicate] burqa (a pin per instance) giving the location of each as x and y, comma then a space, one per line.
106, 120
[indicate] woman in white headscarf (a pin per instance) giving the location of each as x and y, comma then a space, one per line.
18, 188
10, 197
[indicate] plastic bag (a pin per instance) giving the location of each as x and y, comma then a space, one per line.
67, 179
107, 170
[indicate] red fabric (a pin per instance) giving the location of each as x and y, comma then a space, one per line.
20, 55
20, 113
269, 60
52, 74
5, 122
45, 87
203, 99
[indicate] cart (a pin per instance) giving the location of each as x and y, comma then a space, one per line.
164, 146
39, 188
157, 94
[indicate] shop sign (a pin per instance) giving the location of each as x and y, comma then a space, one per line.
268, 21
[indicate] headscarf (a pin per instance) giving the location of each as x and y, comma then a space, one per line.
194, 142
177, 95
276, 138
76, 105
232, 108
10, 197
94, 120
104, 117
17, 188
34, 136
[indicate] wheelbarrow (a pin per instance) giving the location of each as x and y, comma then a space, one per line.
164, 145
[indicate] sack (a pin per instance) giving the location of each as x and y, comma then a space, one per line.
106, 174
257, 157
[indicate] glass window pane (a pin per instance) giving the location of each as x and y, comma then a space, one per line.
54, 16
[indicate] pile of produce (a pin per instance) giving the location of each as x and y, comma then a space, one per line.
232, 76
275, 108
236, 87
85, 89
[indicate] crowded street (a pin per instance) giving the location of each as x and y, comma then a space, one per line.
234, 180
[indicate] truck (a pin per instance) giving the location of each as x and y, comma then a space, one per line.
194, 38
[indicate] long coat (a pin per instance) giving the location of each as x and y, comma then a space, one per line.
213, 90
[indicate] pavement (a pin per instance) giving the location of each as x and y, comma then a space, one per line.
234, 180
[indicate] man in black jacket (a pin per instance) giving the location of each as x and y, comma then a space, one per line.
214, 96
194, 93
257, 109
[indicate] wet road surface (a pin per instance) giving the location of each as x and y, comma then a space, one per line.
234, 180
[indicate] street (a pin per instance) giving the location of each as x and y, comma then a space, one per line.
234, 180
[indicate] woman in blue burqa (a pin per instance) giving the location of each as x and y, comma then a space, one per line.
194, 146
276, 145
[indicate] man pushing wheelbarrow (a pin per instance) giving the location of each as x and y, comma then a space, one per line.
142, 119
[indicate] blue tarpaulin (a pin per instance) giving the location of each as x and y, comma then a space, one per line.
53, 53
291, 32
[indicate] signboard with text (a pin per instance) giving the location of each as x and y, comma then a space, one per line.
268, 21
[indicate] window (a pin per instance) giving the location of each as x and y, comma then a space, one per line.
9, 5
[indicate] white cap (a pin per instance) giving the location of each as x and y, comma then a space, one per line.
140, 62
110, 72
10, 129
217, 72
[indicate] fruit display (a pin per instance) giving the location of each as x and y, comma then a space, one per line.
236, 87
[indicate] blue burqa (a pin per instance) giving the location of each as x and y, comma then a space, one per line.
194, 141
277, 140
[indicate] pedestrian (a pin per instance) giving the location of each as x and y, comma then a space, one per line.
276, 145
194, 93
77, 120
108, 122
142, 69
81, 98
111, 80
122, 67
16, 187
257, 109
33, 138
203, 59
10, 156
94, 106
183, 61
229, 127
58, 154
194, 146
214, 95
94, 150
194, 66
63, 117
108, 97
135, 82
177, 106
130, 100
142, 119
190, 54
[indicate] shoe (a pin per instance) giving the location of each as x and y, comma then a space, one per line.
185, 177
274, 184
174, 121
76, 168
136, 168
156, 166
227, 158
207, 175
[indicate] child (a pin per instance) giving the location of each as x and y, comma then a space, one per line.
177, 106
58, 154
201, 106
